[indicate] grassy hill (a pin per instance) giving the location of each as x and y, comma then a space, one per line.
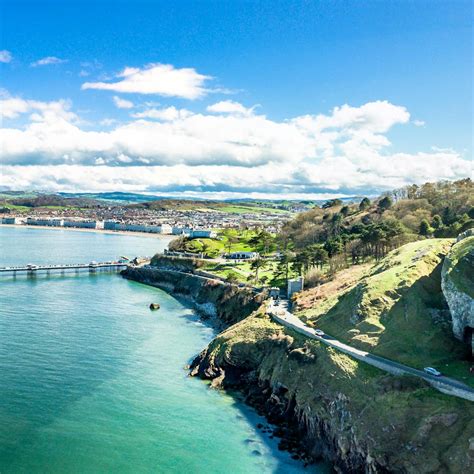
396, 310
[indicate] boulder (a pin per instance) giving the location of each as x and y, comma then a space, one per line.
154, 306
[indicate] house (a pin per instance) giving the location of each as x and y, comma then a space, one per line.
242, 255
203, 234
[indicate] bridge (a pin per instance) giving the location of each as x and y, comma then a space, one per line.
92, 267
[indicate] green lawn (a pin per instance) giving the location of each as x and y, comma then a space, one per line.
229, 240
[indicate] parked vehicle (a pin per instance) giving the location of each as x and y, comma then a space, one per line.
318, 332
432, 371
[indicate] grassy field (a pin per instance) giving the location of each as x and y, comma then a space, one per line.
230, 240
397, 310
242, 272
242, 209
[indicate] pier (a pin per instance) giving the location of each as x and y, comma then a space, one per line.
92, 267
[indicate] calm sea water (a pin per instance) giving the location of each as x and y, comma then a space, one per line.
92, 381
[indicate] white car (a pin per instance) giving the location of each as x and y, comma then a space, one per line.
318, 332
432, 371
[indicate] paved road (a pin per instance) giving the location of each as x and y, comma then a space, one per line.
446, 385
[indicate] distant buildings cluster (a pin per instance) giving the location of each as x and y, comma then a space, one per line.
163, 228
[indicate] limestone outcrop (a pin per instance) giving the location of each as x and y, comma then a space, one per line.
458, 287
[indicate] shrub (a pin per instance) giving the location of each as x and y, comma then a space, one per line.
314, 277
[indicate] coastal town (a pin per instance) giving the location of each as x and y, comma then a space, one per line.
194, 222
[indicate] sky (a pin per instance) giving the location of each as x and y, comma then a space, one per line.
234, 99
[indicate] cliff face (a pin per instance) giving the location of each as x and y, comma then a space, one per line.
458, 288
358, 418
226, 304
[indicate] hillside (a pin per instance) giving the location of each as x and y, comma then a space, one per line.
355, 416
396, 310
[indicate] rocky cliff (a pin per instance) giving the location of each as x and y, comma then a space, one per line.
226, 304
327, 405
458, 288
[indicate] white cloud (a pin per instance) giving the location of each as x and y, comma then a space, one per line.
345, 150
122, 103
160, 79
48, 61
230, 107
166, 114
5, 56
13, 107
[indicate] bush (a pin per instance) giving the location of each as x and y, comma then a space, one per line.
314, 277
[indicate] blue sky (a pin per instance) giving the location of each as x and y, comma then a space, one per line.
287, 65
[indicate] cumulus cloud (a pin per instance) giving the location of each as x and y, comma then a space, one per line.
230, 107
5, 56
13, 107
159, 79
174, 150
48, 60
122, 103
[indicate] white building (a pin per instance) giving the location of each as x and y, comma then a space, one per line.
81, 224
203, 233
295, 285
242, 255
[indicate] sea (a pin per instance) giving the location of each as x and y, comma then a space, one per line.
92, 381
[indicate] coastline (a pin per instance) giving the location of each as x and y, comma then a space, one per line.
102, 231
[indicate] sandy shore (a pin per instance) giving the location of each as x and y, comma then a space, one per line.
103, 231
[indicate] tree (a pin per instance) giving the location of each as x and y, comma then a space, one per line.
425, 228
336, 223
437, 222
331, 203
333, 246
257, 264
385, 203
232, 239
205, 248
345, 210
318, 255
283, 267
364, 204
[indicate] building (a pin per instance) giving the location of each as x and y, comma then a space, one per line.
81, 224
203, 234
242, 255
9, 220
295, 285
166, 229
181, 231
110, 225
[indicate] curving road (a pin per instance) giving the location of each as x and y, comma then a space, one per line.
444, 384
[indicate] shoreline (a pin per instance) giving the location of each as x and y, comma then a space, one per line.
101, 231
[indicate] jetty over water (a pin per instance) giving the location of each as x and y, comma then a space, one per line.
92, 267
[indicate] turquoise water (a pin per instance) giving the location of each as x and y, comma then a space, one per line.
92, 381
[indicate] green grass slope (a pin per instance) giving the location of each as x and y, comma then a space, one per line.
398, 311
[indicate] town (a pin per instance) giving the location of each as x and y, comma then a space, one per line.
193, 222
